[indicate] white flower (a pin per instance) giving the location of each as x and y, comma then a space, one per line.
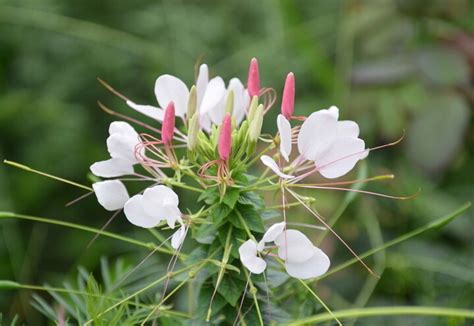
157, 203
333, 145
121, 145
111, 194
211, 96
302, 259
178, 237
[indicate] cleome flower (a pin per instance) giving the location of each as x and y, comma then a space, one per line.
208, 98
302, 259
333, 146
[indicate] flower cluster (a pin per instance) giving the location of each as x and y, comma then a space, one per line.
215, 145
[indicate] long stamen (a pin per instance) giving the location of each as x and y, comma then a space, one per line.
362, 192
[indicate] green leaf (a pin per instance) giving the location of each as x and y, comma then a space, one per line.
252, 218
219, 213
205, 233
210, 196
231, 196
231, 288
204, 300
269, 214
252, 198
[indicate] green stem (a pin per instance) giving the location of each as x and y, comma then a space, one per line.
387, 311
182, 185
148, 245
27, 168
320, 301
242, 220
253, 291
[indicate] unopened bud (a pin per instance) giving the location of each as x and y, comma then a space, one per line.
192, 102
229, 104
193, 130
256, 124
252, 109
225, 138
253, 81
167, 128
288, 99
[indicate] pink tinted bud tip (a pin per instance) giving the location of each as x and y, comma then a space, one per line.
167, 128
253, 81
288, 100
225, 138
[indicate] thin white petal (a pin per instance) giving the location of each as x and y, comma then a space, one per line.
334, 111
171, 213
178, 237
316, 266
272, 233
213, 95
347, 128
269, 162
111, 194
241, 98
111, 168
123, 147
136, 215
317, 134
294, 246
284, 128
122, 127
171, 89
201, 82
161, 195
249, 258
148, 110
342, 157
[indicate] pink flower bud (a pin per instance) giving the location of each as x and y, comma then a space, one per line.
225, 138
253, 81
167, 128
288, 100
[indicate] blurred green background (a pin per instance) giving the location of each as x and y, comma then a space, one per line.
393, 66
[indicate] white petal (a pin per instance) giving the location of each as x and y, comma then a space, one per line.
178, 237
111, 194
162, 203
241, 98
213, 95
122, 127
342, 157
201, 83
171, 89
148, 110
249, 258
122, 146
160, 195
334, 111
217, 113
317, 134
347, 128
113, 167
136, 214
170, 213
316, 266
294, 246
205, 122
272, 233
269, 162
284, 128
